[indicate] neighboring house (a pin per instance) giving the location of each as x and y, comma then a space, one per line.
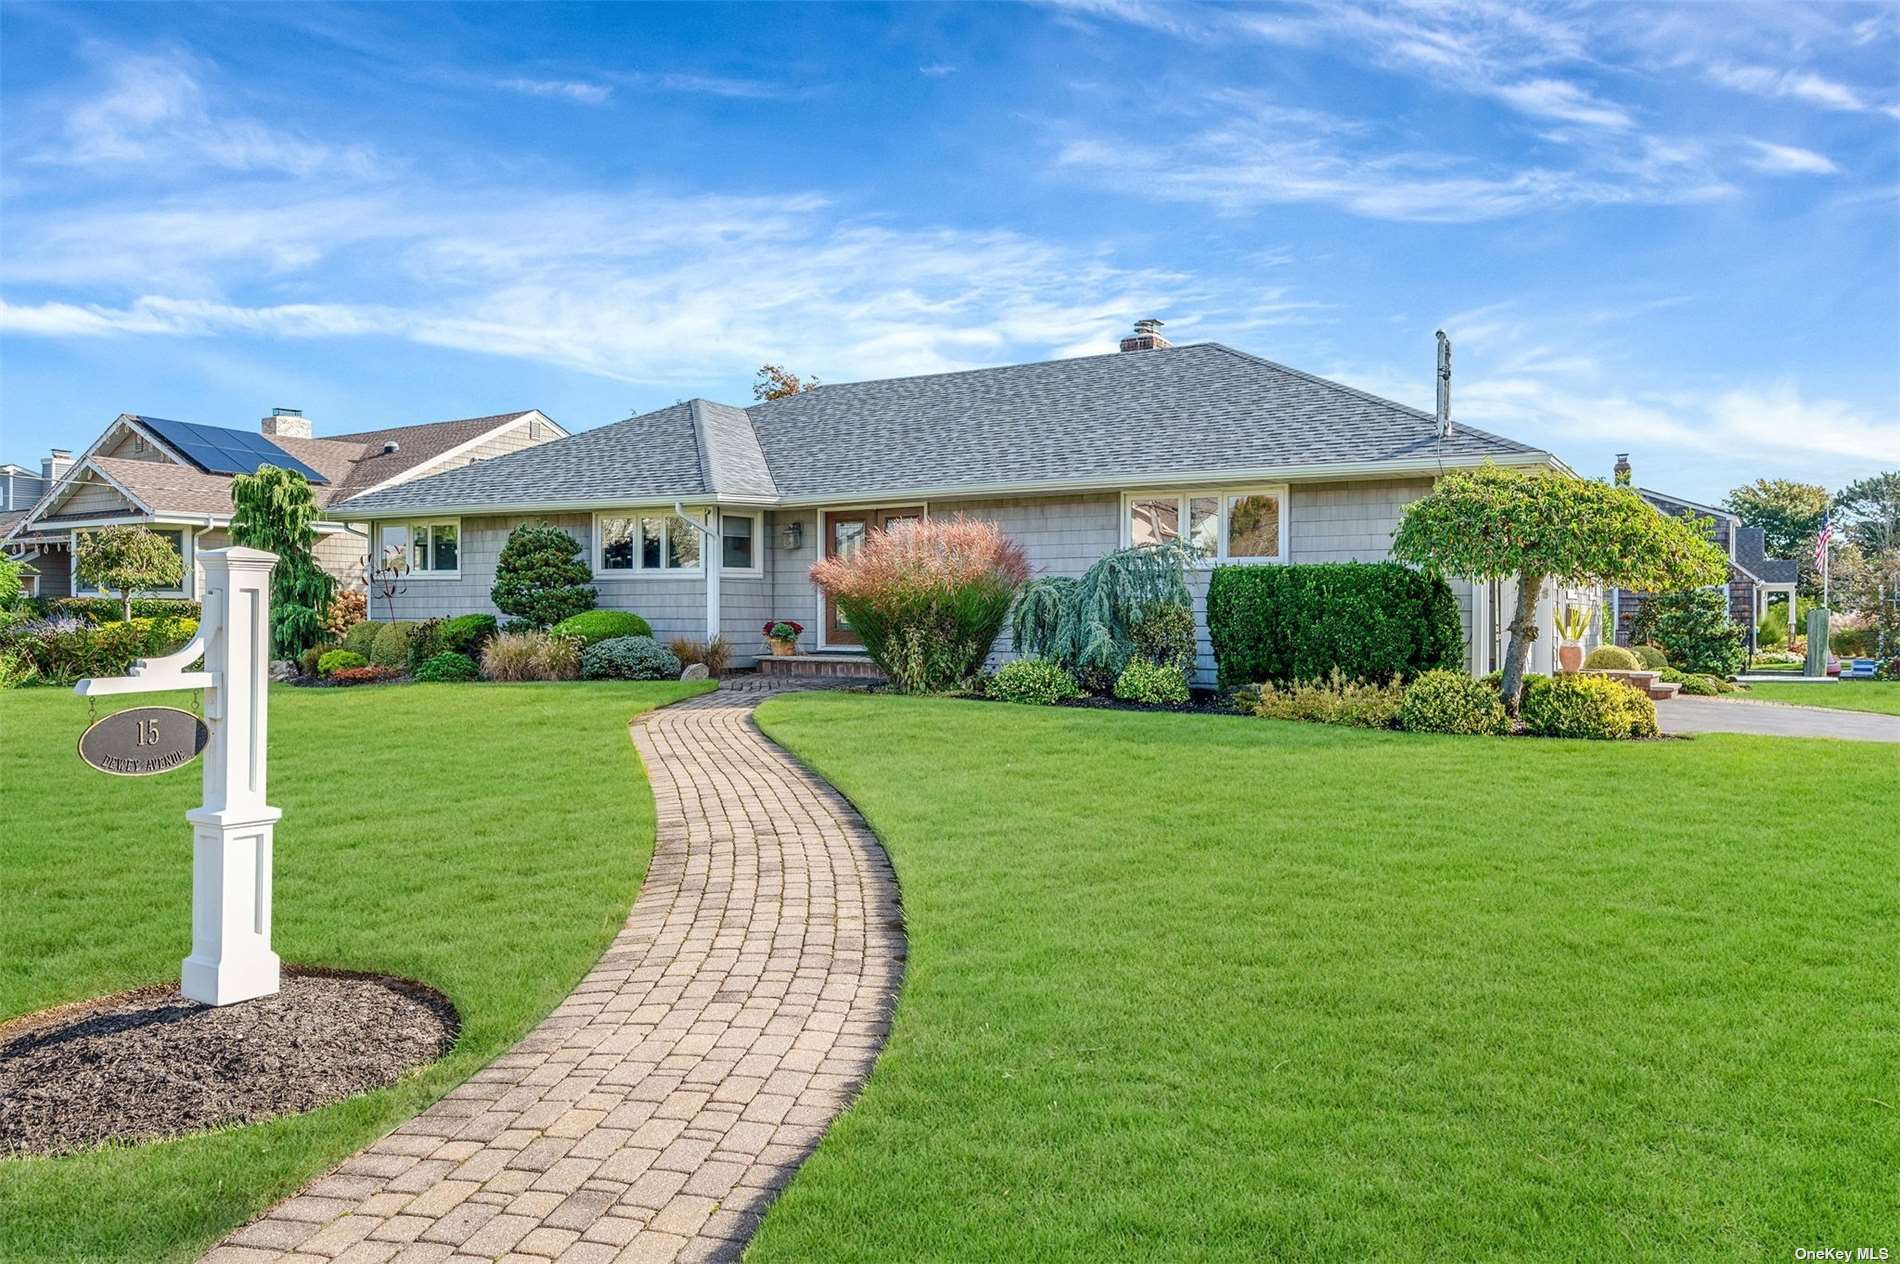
175, 477
1753, 577
20, 486
1073, 458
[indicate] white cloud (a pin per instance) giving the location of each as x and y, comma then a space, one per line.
1801, 84
1789, 160
572, 89
938, 70
1560, 99
152, 111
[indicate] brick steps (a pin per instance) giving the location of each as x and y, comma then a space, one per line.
854, 666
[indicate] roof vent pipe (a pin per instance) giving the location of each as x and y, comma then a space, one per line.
1444, 386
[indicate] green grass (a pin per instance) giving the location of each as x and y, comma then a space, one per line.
1196, 988
486, 839
1847, 695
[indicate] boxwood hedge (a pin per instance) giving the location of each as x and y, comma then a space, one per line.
1369, 621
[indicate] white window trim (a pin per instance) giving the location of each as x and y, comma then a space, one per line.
636, 571
757, 569
1224, 494
187, 555
409, 525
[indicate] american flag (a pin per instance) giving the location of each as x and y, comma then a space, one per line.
1821, 541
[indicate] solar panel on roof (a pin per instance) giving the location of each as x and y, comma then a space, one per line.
217, 450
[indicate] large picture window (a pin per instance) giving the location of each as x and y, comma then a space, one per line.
426, 549
1238, 524
635, 543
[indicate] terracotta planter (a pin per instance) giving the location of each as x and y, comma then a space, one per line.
1570, 659
783, 649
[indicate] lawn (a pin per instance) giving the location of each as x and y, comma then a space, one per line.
1847, 695
1197, 988
486, 839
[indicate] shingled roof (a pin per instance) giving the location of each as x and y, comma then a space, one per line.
1203, 410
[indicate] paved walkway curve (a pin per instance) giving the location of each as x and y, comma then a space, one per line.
1775, 719
666, 1101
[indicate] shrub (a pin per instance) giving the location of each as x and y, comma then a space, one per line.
716, 654
540, 576
1889, 670
1088, 625
1161, 684
629, 658
361, 637
1698, 684
349, 607
107, 609
308, 660
12, 589
1595, 707
1165, 635
1652, 658
927, 598
448, 666
1447, 701
1335, 700
1613, 658
1693, 628
422, 644
370, 675
1855, 640
465, 634
391, 646
598, 625
1772, 631
531, 656
1033, 681
63, 649
16, 669
125, 559
339, 660
1374, 621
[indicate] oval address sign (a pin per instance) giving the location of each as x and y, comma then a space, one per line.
143, 741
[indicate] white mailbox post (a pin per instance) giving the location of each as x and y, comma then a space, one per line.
231, 958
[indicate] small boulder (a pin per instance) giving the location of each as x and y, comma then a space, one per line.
283, 669
695, 671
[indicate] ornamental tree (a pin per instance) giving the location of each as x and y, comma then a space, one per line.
540, 576
128, 559
275, 510
1493, 523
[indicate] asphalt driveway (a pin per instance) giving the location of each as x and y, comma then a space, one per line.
1773, 719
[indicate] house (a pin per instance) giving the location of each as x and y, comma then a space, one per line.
1074, 458
175, 477
1753, 576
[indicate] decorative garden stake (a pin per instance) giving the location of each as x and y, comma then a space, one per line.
231, 959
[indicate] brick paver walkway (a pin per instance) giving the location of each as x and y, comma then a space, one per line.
655, 1113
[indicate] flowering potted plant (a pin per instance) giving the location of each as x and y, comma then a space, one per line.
1573, 624
782, 634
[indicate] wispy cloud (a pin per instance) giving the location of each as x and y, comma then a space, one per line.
1789, 160
689, 83
153, 110
938, 70
1803, 85
572, 89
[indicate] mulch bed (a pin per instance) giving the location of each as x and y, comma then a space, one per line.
149, 1063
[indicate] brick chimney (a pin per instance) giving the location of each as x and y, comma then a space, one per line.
288, 423
1147, 337
1623, 470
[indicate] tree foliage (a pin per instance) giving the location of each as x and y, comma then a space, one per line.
1089, 625
1788, 513
1693, 628
1494, 523
1870, 513
274, 510
775, 381
128, 559
541, 577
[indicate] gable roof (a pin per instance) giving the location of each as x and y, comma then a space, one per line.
349, 464
1751, 555
1178, 414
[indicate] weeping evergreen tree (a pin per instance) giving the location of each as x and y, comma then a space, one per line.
1088, 625
274, 509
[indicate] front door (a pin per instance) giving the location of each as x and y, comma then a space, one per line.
845, 532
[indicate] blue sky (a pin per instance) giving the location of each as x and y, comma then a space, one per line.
1671, 230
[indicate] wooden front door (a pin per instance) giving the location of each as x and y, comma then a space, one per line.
845, 532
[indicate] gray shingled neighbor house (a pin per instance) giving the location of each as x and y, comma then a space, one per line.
1074, 458
175, 477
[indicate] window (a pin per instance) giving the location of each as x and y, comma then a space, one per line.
424, 549
738, 542
1237, 525
638, 543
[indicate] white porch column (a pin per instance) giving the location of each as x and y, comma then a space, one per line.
711, 547
231, 958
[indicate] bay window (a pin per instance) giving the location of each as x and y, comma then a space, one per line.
1239, 524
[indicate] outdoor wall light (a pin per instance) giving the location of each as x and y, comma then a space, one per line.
791, 536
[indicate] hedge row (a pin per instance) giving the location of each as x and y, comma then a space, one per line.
1370, 621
